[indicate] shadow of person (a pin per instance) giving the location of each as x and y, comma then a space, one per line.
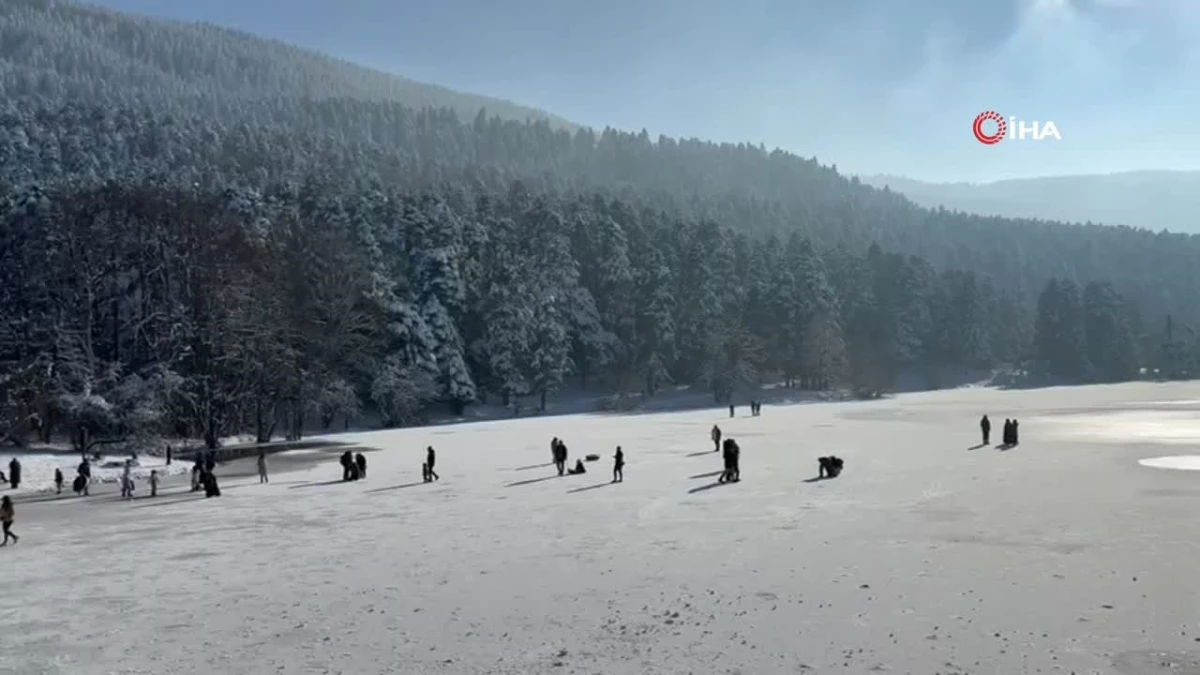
976, 447
817, 479
531, 481
710, 486
597, 486
398, 487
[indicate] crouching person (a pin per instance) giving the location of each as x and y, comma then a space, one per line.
829, 467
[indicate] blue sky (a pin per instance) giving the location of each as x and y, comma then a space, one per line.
874, 86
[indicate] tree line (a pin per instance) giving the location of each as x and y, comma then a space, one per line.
142, 309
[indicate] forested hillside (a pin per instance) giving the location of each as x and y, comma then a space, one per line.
64, 52
255, 262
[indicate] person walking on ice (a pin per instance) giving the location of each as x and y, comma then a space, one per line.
154, 483
560, 457
58, 481
85, 472
127, 481
262, 467
430, 458
716, 438
7, 514
619, 466
985, 426
361, 463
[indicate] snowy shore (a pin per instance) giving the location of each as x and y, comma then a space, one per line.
37, 468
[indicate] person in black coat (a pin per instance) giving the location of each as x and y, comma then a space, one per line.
1015, 439
211, 489
619, 466
347, 461
85, 472
985, 427
729, 457
829, 467
14, 473
431, 460
1006, 434
560, 458
361, 463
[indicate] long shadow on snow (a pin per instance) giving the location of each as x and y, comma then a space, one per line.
321, 484
710, 486
532, 466
706, 453
591, 487
531, 481
710, 474
155, 502
43, 497
397, 487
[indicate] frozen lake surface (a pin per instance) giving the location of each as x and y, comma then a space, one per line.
929, 555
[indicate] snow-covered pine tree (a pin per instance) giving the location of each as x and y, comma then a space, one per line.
553, 288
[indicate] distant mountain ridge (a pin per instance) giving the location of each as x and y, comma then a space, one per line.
1154, 200
57, 50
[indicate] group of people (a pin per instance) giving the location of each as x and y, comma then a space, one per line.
354, 466
755, 409
731, 454
1009, 434
127, 483
558, 454
204, 475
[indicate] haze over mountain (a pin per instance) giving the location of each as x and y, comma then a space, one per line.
1152, 199
875, 86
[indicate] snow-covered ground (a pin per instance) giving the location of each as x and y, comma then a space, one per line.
929, 555
37, 468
